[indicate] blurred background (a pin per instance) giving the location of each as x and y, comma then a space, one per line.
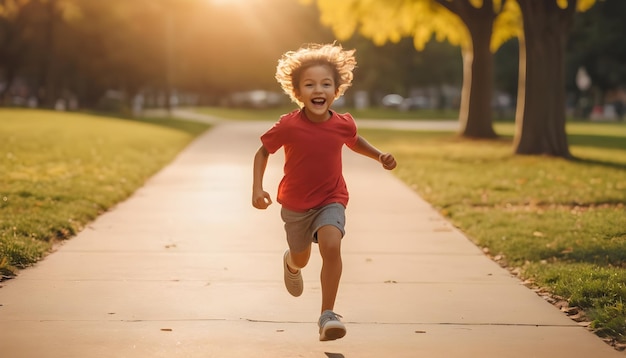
125, 56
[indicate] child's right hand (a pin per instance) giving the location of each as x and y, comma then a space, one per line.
387, 160
261, 200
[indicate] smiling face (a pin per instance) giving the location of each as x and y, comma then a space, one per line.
317, 91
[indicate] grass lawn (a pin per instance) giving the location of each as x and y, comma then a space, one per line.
61, 170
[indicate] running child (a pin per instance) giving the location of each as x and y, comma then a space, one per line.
313, 193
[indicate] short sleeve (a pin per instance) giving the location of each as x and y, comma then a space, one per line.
352, 138
272, 139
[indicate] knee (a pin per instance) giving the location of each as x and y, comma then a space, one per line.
299, 260
329, 240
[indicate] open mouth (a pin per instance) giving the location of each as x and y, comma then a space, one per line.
318, 101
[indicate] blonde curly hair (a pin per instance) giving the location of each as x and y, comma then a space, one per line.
293, 63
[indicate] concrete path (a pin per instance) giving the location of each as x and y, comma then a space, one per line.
187, 268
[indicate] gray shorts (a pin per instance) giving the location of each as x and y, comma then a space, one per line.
301, 228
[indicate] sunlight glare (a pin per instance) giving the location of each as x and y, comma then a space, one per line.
227, 2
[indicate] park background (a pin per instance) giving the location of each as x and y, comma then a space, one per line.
91, 60
116, 55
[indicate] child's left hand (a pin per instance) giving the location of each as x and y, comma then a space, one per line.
387, 160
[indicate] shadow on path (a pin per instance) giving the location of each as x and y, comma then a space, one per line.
334, 355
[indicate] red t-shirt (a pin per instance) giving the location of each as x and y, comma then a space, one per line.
313, 169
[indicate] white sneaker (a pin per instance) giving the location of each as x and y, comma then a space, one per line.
293, 281
331, 327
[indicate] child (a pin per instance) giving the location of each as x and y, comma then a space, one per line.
313, 192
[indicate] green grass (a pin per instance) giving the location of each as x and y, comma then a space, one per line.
61, 170
561, 223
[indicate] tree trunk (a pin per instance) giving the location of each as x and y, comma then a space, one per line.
9, 77
47, 94
475, 114
479, 122
12, 52
540, 117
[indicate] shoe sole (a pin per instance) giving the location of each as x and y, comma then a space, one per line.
332, 333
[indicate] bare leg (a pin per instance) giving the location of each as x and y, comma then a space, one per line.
298, 260
329, 239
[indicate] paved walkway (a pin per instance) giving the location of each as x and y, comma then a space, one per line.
187, 268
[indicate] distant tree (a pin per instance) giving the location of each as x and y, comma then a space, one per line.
86, 47
27, 40
15, 37
55, 14
506, 67
398, 68
596, 43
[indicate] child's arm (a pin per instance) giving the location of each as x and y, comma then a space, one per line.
363, 147
260, 198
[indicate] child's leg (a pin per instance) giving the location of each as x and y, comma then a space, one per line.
293, 261
298, 238
329, 240
298, 260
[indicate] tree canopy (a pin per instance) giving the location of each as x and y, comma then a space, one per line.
421, 20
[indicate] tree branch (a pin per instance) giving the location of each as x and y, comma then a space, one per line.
452, 6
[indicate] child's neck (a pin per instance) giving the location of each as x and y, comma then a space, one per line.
317, 118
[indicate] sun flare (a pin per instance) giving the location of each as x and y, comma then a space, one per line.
227, 2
